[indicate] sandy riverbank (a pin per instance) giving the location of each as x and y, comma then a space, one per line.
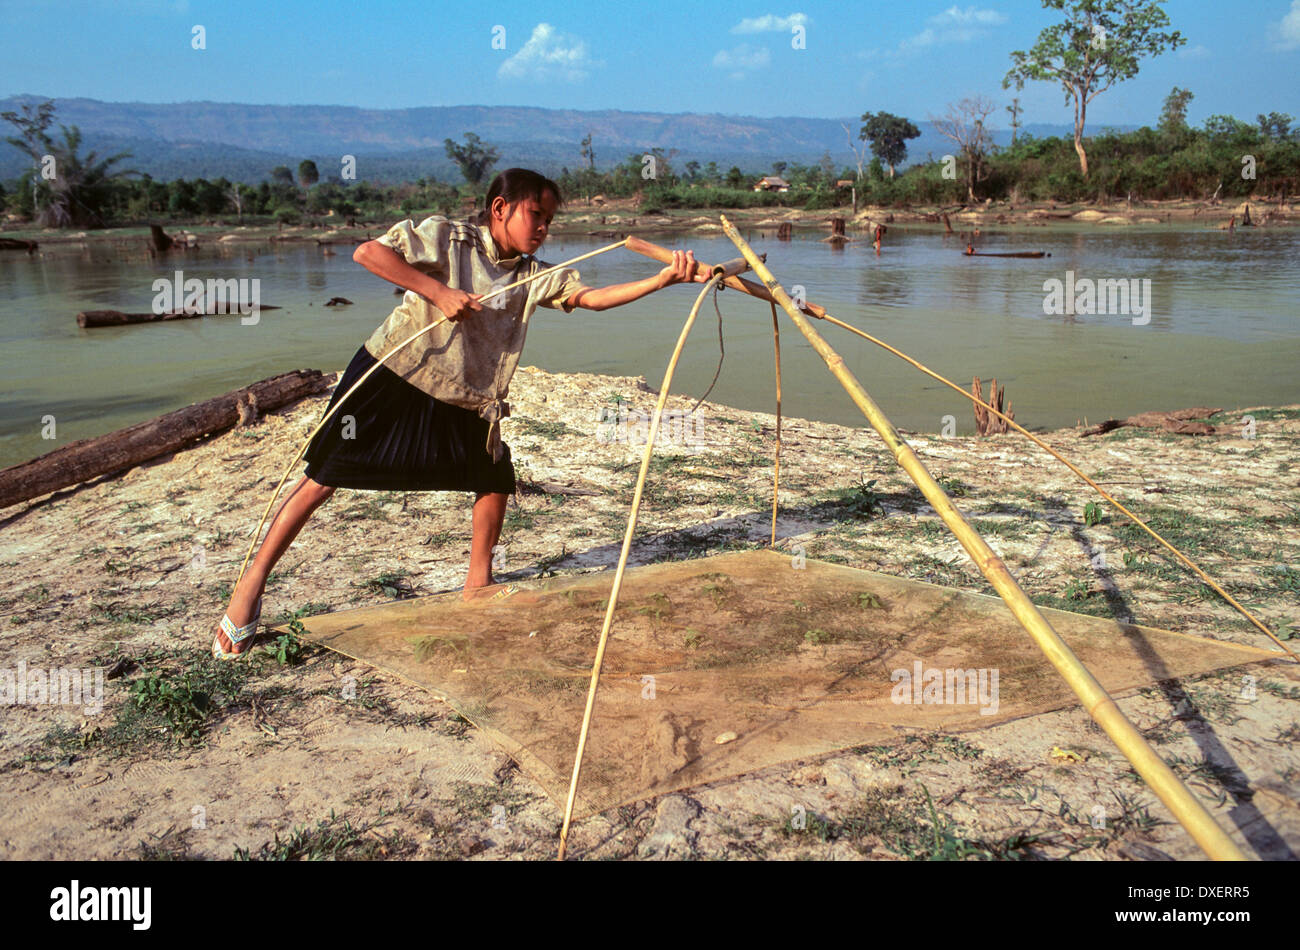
135, 570
615, 218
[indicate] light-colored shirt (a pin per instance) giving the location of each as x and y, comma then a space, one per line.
468, 363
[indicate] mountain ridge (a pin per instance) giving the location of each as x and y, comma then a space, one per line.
247, 140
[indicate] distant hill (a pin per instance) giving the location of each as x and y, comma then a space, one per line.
244, 142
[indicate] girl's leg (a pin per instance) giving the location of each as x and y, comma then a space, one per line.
489, 515
297, 507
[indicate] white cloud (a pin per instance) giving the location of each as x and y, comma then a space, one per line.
954, 16
1193, 52
953, 25
770, 24
1287, 30
549, 54
742, 59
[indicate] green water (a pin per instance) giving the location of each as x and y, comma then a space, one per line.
1223, 329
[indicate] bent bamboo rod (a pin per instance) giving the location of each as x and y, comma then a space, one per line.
720, 272
756, 290
1190, 813
324, 419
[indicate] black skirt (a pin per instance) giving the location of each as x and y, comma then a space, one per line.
399, 438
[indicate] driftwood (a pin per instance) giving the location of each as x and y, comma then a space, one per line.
783, 231
117, 451
338, 302
16, 244
986, 423
1181, 421
116, 318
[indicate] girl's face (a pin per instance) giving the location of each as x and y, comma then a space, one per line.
522, 227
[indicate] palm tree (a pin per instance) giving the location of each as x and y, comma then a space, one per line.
81, 187
76, 189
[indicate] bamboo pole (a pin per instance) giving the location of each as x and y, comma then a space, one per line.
1190, 813
658, 253
257, 533
776, 476
622, 563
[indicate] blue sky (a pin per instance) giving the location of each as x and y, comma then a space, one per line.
911, 58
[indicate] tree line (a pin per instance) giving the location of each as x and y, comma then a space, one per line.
1097, 44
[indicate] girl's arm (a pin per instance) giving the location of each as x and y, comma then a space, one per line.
391, 266
681, 270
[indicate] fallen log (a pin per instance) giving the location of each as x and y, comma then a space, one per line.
16, 244
973, 253
116, 318
1180, 421
117, 451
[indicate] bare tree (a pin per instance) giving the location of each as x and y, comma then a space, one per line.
858, 153
964, 125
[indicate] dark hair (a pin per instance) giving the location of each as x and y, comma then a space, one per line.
516, 184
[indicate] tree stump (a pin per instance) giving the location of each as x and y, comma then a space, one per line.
837, 227
783, 231
986, 423
158, 237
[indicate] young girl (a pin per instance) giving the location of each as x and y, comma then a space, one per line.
428, 419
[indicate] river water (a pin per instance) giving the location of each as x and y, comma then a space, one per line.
1222, 327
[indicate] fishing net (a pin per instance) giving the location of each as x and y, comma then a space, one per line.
723, 665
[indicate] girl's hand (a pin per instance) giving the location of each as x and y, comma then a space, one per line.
681, 270
457, 305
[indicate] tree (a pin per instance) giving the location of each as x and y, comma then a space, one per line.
281, 175
1098, 45
1015, 111
778, 168
712, 173
857, 152
888, 135
827, 167
1275, 125
692, 170
964, 125
1173, 117
587, 152
735, 177
307, 173
474, 158
79, 189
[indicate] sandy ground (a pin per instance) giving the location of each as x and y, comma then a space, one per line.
329, 757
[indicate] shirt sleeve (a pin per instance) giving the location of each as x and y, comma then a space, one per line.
426, 246
558, 287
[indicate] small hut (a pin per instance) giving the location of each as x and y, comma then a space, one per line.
772, 183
